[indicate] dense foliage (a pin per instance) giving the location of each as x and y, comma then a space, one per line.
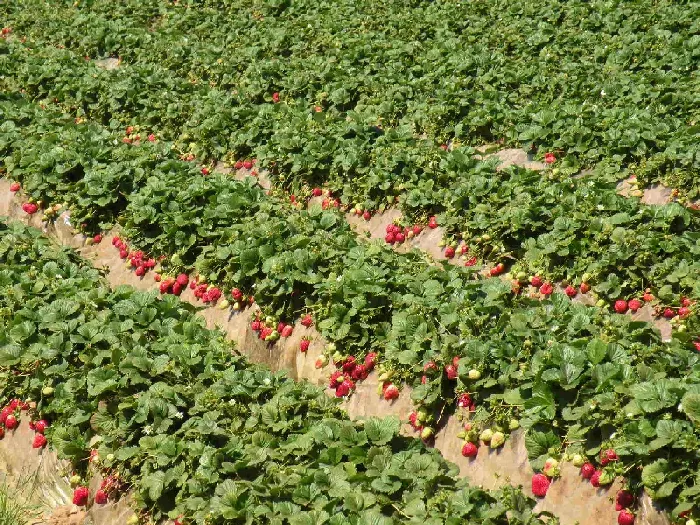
193, 427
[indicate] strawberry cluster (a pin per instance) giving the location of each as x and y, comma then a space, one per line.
137, 259
9, 415
395, 234
245, 164
349, 370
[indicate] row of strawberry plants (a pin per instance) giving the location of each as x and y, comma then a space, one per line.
602, 379
512, 215
457, 71
133, 386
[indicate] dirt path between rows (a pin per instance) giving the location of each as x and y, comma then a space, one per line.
571, 499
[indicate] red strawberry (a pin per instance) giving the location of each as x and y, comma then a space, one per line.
587, 470
432, 223
366, 215
4, 413
610, 454
417, 229
470, 450
80, 496
140, 271
182, 279
648, 297
451, 372
344, 388
317, 192
623, 499
115, 240
669, 313
685, 302
683, 312
11, 422
40, 426
570, 291
391, 392
177, 288
455, 361
2, 432
540, 485
165, 287
123, 254
497, 270
97, 239
205, 171
14, 404
287, 331
370, 360
584, 288
100, 497
255, 325
536, 281
464, 400
620, 306
151, 137
470, 262
595, 478
413, 421
549, 158
349, 364
430, 366
546, 289
449, 252
390, 238
238, 165
625, 518
424, 379
39, 441
304, 345
335, 379
400, 237
359, 372
129, 130
320, 363
307, 320
14, 187
29, 208
247, 164
275, 97
634, 305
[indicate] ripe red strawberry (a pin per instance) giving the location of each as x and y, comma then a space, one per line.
335, 379
595, 478
463, 249
686, 302
151, 137
413, 421
182, 279
470, 262
610, 454
587, 470
287, 330
366, 215
620, 306
391, 392
464, 400
29, 208
455, 361
424, 379
304, 345
546, 289
255, 325
669, 313
625, 518
683, 312
165, 287
100, 497
177, 288
549, 158
4, 413
359, 372
570, 291
307, 320
349, 364
129, 130
123, 254
317, 192
584, 288
39, 441
432, 223
370, 360
238, 165
2, 432
623, 500
400, 237
140, 271
40, 426
80, 496
634, 305
536, 281
451, 372
205, 171
470, 450
417, 229
247, 164
540, 485
390, 238
275, 97
449, 252
15, 403
11, 422
15, 187
430, 366
648, 297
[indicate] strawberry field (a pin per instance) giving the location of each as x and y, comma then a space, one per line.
233, 150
